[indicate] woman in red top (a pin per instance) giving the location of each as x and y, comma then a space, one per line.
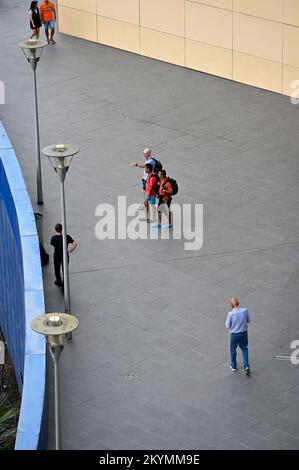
165, 192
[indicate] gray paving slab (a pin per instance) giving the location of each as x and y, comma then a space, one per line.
148, 366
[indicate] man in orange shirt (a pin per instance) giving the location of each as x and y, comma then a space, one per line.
48, 18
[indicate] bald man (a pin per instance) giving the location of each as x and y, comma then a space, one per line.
237, 323
147, 153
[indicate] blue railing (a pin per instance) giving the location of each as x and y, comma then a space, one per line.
22, 297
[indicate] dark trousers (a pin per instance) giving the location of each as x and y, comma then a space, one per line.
58, 264
241, 340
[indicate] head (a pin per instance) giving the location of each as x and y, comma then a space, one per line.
162, 174
58, 228
148, 168
234, 302
147, 153
33, 5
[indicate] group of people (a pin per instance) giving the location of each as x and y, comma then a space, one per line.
43, 15
155, 177
155, 185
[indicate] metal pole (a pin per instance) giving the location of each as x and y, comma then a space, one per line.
39, 170
66, 281
57, 404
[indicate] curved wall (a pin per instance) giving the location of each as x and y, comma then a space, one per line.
21, 297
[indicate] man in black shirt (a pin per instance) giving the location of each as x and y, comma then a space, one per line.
57, 242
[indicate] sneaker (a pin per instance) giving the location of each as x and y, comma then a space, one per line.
233, 369
247, 371
58, 283
52, 41
156, 225
166, 226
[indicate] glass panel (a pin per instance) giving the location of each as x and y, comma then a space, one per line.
61, 162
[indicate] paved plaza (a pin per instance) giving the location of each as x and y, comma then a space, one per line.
148, 365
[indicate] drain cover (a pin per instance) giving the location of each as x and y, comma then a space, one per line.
131, 376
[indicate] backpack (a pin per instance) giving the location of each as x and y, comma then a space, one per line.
174, 185
44, 257
158, 165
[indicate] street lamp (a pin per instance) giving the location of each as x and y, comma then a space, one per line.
55, 327
61, 157
32, 49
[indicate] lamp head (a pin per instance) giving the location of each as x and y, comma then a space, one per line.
55, 327
60, 156
32, 49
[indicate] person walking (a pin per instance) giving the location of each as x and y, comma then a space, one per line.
237, 323
34, 20
57, 243
48, 18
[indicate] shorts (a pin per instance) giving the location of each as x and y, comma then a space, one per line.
161, 202
49, 24
151, 201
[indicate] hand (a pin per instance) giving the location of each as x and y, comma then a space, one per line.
133, 164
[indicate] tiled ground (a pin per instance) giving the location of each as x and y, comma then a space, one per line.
149, 310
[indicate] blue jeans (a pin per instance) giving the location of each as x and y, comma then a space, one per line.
49, 24
241, 340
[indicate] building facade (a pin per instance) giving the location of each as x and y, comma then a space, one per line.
250, 41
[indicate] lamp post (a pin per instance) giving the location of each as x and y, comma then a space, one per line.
55, 327
32, 49
61, 157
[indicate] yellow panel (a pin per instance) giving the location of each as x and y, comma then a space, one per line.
122, 10
226, 4
291, 81
78, 23
165, 16
209, 25
210, 59
270, 9
162, 46
290, 46
261, 38
291, 12
257, 72
118, 34
85, 5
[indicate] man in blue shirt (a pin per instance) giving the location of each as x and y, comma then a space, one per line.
237, 323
